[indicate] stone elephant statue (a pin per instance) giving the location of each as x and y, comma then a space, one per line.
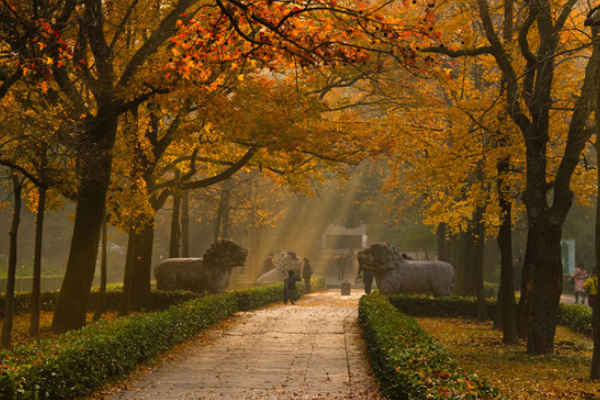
210, 273
395, 275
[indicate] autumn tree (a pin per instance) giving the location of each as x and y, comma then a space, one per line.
277, 142
539, 105
99, 65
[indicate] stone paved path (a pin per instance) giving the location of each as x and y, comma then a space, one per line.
312, 350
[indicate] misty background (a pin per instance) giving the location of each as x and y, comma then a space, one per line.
264, 218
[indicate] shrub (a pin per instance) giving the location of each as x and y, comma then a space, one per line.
450, 307
408, 363
576, 318
79, 362
159, 300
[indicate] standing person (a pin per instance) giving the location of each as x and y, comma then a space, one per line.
289, 288
307, 272
341, 263
591, 286
267, 265
367, 278
579, 277
349, 263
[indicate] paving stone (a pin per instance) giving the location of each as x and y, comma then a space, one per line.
310, 351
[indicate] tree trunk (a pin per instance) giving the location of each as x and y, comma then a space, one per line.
544, 259
71, 306
9, 294
478, 259
128, 275
506, 295
595, 366
218, 219
459, 260
185, 225
468, 261
34, 323
175, 227
138, 268
442, 242
225, 224
103, 272
506, 316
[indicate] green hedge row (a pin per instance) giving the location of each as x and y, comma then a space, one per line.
408, 363
159, 300
451, 307
574, 317
79, 362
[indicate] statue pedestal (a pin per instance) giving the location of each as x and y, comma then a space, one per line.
346, 286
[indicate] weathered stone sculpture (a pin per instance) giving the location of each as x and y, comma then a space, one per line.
210, 273
395, 275
290, 261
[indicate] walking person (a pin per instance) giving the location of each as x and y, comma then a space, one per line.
341, 264
591, 286
367, 277
289, 288
307, 272
350, 257
579, 277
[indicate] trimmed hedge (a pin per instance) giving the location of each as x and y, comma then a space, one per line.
450, 307
80, 362
408, 363
574, 317
159, 300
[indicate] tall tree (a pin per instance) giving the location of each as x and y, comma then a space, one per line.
591, 20
531, 98
9, 306
309, 33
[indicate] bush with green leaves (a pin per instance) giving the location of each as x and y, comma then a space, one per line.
451, 307
408, 363
576, 318
81, 361
159, 300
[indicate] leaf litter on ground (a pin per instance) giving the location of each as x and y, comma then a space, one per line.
475, 346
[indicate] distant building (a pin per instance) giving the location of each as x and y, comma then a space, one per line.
337, 237
340, 242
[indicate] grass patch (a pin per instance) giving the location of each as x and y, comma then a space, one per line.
477, 347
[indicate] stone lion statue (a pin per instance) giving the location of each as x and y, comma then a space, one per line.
207, 274
395, 275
